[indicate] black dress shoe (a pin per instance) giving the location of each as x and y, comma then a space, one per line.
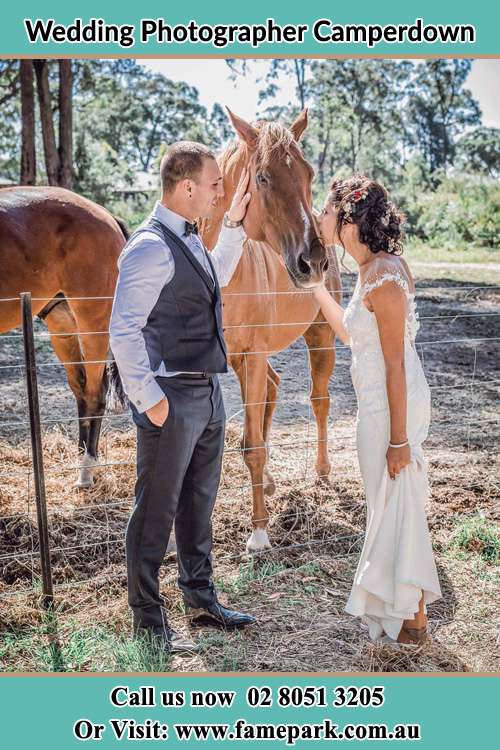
218, 616
167, 639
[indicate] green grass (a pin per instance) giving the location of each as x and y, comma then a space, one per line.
227, 651
418, 254
475, 536
254, 571
425, 253
258, 571
95, 649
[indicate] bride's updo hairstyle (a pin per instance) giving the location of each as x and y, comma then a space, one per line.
364, 202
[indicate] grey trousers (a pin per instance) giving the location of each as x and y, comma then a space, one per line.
178, 473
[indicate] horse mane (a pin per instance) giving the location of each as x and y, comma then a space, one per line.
274, 142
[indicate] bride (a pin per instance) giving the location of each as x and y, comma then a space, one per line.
396, 575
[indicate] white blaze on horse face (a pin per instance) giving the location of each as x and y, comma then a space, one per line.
307, 224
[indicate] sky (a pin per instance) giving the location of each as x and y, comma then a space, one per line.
211, 78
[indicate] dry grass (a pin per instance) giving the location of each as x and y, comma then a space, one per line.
297, 590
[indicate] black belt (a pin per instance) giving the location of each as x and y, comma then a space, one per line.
192, 375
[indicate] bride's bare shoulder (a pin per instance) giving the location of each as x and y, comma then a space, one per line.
383, 267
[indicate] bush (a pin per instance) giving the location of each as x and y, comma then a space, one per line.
462, 210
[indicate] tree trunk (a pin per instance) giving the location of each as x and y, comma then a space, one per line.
48, 133
28, 152
65, 124
300, 73
323, 154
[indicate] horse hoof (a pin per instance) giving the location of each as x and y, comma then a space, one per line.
84, 483
258, 541
86, 477
323, 480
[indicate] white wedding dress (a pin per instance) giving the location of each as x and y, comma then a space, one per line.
397, 562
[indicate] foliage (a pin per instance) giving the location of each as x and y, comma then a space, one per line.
415, 127
462, 210
10, 119
479, 151
440, 109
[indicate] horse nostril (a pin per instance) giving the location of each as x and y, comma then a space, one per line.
303, 264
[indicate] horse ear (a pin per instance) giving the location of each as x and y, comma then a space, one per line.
246, 132
299, 125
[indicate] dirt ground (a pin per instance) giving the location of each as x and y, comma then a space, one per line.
299, 588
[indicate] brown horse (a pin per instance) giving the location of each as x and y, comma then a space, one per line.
63, 248
266, 305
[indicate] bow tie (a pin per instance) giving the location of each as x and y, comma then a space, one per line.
190, 228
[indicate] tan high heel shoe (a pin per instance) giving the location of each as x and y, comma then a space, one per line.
415, 631
414, 636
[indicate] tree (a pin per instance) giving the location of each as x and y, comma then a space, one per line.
219, 128
28, 149
356, 118
135, 110
298, 69
58, 158
10, 84
440, 110
47, 121
479, 151
65, 124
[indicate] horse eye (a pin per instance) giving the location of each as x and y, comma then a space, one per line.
262, 179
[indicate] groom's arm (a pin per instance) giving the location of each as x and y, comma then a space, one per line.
227, 253
144, 268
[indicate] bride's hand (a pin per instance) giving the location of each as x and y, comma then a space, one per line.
397, 459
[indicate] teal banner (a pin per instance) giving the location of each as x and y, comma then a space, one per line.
227, 29
242, 710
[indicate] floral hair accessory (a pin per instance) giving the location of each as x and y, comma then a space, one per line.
356, 197
359, 195
386, 217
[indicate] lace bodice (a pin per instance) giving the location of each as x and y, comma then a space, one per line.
361, 324
368, 364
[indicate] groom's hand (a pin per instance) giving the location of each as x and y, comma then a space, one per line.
239, 204
159, 412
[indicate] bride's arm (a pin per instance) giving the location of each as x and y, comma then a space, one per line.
332, 311
388, 302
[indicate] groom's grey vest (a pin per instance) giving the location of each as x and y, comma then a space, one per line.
184, 328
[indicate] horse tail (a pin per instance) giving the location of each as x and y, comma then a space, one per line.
114, 383
124, 229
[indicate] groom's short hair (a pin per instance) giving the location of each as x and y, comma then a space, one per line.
183, 160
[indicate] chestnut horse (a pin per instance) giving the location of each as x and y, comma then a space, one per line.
63, 249
266, 305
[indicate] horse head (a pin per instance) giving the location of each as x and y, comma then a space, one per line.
280, 210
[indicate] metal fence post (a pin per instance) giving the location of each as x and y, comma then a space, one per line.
36, 446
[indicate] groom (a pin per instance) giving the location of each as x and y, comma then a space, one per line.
167, 338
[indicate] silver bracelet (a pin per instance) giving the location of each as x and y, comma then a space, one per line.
398, 445
231, 224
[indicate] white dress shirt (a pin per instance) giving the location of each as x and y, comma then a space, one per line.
145, 266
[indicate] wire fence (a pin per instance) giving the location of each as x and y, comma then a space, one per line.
459, 350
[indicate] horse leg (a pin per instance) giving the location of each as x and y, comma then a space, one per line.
252, 373
91, 319
320, 341
273, 381
66, 343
